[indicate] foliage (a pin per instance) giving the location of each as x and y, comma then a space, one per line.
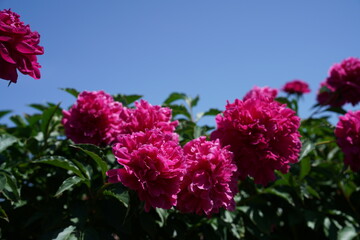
52, 188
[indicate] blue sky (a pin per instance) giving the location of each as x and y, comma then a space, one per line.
216, 49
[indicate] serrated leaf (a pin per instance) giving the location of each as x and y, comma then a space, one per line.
72, 91
174, 97
119, 192
98, 160
67, 184
6, 140
60, 162
3, 113
66, 233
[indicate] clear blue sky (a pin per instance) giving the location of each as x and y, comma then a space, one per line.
217, 49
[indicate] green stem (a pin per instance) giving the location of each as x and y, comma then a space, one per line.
324, 142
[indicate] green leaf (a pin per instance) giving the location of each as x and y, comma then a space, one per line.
67, 184
66, 233
82, 168
118, 191
11, 190
72, 91
6, 140
60, 162
312, 191
38, 106
3, 214
163, 215
174, 97
194, 102
98, 160
336, 110
180, 110
47, 115
212, 112
348, 188
305, 167
307, 147
19, 122
126, 99
347, 233
284, 195
3, 113
3, 181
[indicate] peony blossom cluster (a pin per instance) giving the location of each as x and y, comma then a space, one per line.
153, 162
347, 134
154, 166
257, 92
18, 48
342, 85
296, 87
97, 119
263, 135
94, 118
145, 117
210, 181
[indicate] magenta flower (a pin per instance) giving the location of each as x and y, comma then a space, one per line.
347, 134
257, 92
153, 164
263, 135
343, 84
328, 96
296, 87
145, 117
94, 118
210, 181
18, 48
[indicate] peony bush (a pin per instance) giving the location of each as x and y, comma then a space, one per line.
117, 167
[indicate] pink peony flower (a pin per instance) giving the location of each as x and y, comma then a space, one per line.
145, 117
153, 166
94, 118
296, 87
328, 96
257, 92
347, 134
262, 134
18, 48
210, 181
343, 82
